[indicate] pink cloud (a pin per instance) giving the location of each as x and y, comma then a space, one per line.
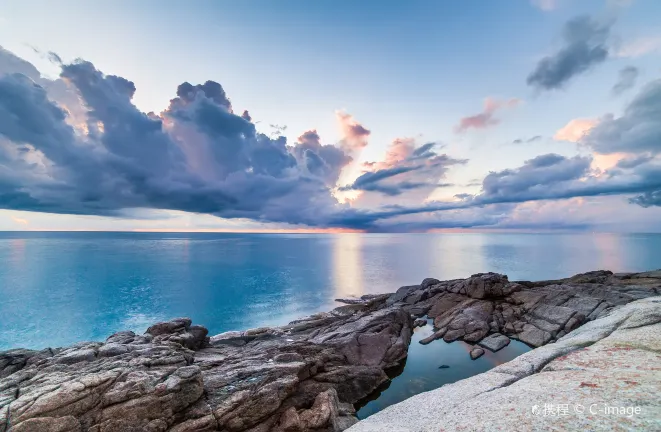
545, 5
574, 130
354, 135
640, 47
487, 117
19, 220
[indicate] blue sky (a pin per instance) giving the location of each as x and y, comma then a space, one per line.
402, 70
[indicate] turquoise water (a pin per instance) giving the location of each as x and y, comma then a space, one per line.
61, 288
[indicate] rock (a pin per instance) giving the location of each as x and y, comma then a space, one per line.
476, 353
495, 342
444, 303
351, 300
453, 335
177, 325
419, 310
485, 285
323, 413
290, 421
436, 335
428, 282
306, 376
260, 379
599, 276
655, 274
603, 361
416, 297
420, 323
443, 366
555, 314
401, 294
533, 336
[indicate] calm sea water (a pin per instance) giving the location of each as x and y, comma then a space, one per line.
61, 288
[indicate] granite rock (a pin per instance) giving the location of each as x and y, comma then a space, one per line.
609, 362
177, 379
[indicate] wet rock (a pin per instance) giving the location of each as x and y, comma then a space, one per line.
443, 367
436, 335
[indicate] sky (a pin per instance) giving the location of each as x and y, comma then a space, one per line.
330, 116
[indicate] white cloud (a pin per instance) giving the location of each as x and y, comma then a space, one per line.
639, 47
19, 220
545, 5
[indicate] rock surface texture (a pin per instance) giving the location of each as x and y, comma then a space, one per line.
596, 373
307, 375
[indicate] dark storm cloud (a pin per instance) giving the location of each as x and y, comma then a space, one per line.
323, 161
10, 63
539, 172
638, 130
626, 80
648, 199
210, 89
584, 47
197, 156
633, 162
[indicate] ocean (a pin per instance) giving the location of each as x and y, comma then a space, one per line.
65, 287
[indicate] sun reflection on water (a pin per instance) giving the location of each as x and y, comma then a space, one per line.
348, 265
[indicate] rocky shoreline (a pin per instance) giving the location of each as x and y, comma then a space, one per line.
305, 376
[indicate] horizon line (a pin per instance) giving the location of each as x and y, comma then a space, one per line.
336, 231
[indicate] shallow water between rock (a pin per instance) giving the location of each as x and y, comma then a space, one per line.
422, 370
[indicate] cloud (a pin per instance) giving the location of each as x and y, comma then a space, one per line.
648, 199
574, 130
584, 47
78, 145
527, 140
633, 162
545, 5
636, 131
545, 177
639, 47
354, 134
196, 156
19, 220
487, 117
626, 80
405, 168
